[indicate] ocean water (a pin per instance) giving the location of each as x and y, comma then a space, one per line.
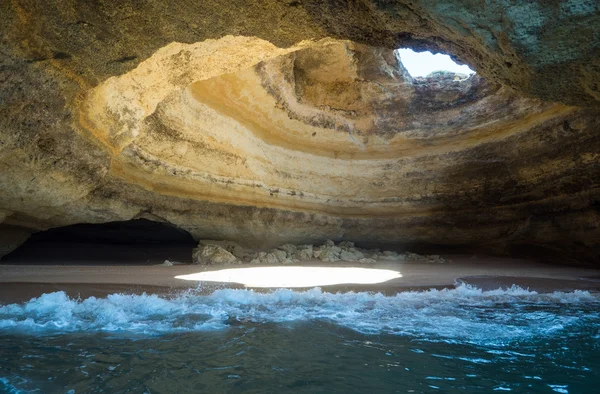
241, 341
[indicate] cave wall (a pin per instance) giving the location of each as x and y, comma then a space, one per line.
292, 121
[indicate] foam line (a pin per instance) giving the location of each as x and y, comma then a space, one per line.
465, 314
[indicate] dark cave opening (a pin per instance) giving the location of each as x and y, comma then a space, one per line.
138, 241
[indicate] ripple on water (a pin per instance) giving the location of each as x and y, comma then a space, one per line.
460, 340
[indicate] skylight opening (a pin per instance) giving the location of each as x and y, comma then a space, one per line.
421, 64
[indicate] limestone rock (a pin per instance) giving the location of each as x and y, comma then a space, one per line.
259, 258
317, 253
367, 261
304, 253
170, 263
329, 252
234, 248
434, 258
417, 257
391, 255
271, 258
289, 249
275, 256
280, 255
351, 254
209, 254
272, 124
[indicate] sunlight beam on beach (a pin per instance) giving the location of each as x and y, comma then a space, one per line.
295, 276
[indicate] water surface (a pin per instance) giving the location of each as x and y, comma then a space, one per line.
461, 340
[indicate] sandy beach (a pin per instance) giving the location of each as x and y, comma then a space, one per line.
21, 282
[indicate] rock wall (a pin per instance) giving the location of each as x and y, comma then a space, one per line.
260, 122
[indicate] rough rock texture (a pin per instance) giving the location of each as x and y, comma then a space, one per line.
225, 252
260, 123
212, 254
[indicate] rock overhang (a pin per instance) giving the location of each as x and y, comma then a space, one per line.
327, 134
309, 127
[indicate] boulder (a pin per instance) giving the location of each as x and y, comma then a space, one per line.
346, 244
271, 258
212, 254
329, 253
234, 248
390, 255
289, 249
304, 252
367, 261
280, 255
351, 254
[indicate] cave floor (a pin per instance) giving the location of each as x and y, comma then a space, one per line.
21, 282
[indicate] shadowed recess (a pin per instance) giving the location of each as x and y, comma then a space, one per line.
138, 240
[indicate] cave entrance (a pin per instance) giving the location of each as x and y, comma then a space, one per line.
138, 241
422, 64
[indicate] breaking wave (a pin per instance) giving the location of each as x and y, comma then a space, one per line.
465, 314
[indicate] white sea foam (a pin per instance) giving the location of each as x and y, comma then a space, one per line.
465, 314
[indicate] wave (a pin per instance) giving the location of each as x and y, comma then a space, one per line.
464, 314
7, 385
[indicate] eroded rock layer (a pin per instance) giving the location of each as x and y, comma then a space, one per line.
283, 135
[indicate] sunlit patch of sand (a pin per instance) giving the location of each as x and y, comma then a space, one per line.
295, 276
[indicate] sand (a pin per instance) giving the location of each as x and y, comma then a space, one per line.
21, 282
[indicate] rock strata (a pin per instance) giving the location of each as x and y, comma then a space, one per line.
293, 122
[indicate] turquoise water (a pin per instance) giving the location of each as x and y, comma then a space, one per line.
461, 340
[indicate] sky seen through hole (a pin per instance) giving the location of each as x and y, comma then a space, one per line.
421, 64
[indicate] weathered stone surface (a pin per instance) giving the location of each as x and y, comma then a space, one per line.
289, 249
291, 254
209, 254
258, 122
304, 252
351, 255
237, 250
367, 261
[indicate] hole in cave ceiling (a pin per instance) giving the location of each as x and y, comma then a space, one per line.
421, 64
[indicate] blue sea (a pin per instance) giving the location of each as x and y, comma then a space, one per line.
239, 341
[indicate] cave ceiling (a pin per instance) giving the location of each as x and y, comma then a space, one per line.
267, 122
